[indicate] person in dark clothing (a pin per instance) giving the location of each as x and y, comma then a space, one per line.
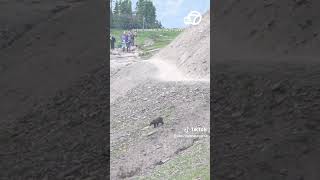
123, 41
112, 40
132, 38
128, 41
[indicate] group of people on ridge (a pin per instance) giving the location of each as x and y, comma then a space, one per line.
127, 40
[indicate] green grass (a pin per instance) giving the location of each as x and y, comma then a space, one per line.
117, 33
192, 165
160, 39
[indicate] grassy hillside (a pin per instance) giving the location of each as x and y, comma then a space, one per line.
190, 165
149, 41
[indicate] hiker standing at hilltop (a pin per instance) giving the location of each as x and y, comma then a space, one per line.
128, 41
132, 38
123, 41
112, 40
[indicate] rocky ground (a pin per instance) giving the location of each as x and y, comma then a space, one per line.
190, 51
139, 151
54, 105
266, 83
140, 146
40, 62
20, 17
266, 120
62, 138
173, 84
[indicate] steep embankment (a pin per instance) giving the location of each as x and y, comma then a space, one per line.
40, 62
166, 85
138, 149
266, 83
190, 51
52, 124
63, 137
19, 17
266, 28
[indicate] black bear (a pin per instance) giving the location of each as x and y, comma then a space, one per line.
157, 121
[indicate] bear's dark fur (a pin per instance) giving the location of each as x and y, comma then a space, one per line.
156, 122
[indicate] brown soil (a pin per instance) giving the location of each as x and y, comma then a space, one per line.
51, 76
266, 91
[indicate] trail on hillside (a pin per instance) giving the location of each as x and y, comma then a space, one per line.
142, 91
167, 71
166, 86
129, 70
266, 90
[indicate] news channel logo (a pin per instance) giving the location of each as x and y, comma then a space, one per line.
193, 18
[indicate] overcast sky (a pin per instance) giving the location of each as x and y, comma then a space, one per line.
172, 12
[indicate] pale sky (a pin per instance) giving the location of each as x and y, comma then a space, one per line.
172, 12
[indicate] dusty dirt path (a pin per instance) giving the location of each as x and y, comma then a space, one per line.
142, 90
126, 71
129, 70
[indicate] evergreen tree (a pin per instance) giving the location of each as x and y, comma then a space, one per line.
125, 13
111, 15
145, 14
116, 15
116, 8
149, 14
140, 11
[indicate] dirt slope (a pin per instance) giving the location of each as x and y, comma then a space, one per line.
60, 138
266, 90
173, 84
139, 150
142, 90
265, 28
266, 121
52, 126
190, 50
40, 62
19, 17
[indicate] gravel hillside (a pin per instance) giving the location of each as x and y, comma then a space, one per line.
63, 137
138, 149
266, 121
40, 62
142, 90
267, 28
173, 84
53, 83
20, 17
266, 79
190, 51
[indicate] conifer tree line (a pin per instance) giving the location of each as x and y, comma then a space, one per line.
144, 16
